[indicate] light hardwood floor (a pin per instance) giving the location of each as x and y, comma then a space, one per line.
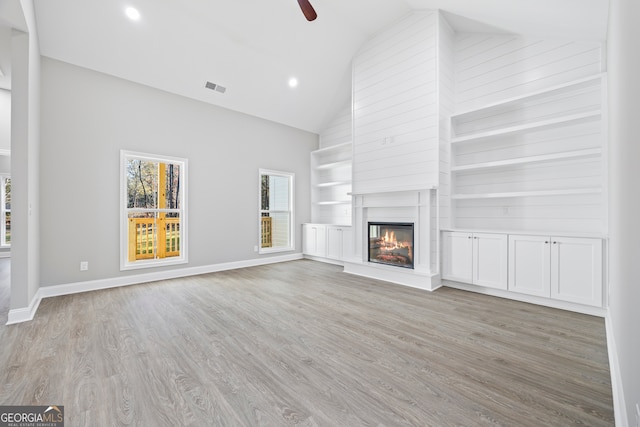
301, 343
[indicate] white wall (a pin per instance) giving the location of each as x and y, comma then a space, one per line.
395, 108
87, 117
491, 68
624, 141
339, 130
5, 119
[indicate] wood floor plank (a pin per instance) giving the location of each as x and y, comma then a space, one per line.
301, 343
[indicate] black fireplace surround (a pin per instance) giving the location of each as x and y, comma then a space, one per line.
391, 243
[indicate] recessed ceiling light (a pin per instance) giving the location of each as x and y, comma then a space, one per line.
132, 13
293, 82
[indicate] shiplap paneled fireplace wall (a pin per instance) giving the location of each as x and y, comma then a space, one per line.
399, 94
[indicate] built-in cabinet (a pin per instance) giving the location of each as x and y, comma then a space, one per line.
477, 258
561, 268
327, 237
527, 173
314, 239
326, 241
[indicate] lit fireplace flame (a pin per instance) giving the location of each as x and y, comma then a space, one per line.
389, 240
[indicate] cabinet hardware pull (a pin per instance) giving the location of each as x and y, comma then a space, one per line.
546, 242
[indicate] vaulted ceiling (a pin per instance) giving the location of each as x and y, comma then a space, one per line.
253, 47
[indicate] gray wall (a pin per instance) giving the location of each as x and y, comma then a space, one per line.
25, 155
624, 155
5, 119
88, 117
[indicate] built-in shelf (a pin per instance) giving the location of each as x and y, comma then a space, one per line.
532, 162
562, 192
538, 125
333, 148
591, 81
332, 184
590, 152
334, 165
333, 202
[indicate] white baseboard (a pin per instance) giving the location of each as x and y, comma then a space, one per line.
619, 405
26, 314
19, 315
531, 299
323, 259
420, 279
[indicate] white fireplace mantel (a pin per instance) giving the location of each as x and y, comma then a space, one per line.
411, 206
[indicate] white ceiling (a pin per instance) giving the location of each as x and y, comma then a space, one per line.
253, 47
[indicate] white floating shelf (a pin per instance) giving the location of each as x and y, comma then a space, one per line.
539, 125
590, 152
512, 194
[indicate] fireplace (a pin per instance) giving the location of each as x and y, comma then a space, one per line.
391, 243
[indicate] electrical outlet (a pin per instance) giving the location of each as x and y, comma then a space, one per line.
84, 265
255, 249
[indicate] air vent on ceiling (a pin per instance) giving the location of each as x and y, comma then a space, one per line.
215, 87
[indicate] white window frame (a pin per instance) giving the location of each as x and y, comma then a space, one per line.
125, 264
3, 212
291, 211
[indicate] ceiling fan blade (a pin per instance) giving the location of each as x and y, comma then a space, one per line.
308, 10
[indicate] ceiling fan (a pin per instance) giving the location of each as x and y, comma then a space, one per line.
307, 10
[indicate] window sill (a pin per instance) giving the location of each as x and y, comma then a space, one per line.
264, 251
151, 264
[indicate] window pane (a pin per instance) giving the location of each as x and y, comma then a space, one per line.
7, 194
280, 228
7, 222
278, 193
171, 236
172, 186
153, 235
276, 212
142, 184
142, 235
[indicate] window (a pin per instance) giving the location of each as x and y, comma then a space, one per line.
276, 211
5, 231
153, 214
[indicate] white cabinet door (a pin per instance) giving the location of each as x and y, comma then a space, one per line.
576, 270
335, 242
530, 265
490, 260
457, 256
314, 239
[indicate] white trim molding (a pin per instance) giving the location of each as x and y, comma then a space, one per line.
19, 315
26, 314
619, 405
